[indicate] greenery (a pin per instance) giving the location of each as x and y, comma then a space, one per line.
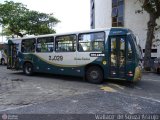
152, 7
16, 19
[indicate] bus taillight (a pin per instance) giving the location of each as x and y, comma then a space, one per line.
130, 73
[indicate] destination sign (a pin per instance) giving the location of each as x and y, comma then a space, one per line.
97, 55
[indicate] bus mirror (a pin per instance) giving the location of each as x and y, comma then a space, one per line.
129, 55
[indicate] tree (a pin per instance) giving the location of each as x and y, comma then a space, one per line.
152, 7
18, 20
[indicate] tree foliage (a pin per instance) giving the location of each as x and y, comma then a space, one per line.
18, 20
152, 7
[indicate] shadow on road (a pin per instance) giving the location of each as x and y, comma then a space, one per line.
123, 83
66, 78
148, 82
53, 76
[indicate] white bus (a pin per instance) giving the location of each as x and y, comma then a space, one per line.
95, 55
3, 57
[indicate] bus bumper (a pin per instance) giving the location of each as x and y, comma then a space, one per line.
137, 74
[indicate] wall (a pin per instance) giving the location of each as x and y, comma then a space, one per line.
103, 9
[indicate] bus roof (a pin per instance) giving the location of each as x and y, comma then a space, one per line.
112, 31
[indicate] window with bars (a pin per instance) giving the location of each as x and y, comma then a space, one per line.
117, 13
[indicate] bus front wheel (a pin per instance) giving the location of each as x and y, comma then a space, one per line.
28, 69
94, 75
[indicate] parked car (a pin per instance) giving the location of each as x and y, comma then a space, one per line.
157, 65
3, 57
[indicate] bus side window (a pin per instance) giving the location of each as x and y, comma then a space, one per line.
91, 42
80, 47
45, 44
28, 45
130, 52
66, 43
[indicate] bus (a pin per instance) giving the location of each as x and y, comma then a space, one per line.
95, 55
3, 57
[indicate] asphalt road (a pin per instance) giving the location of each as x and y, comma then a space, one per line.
52, 94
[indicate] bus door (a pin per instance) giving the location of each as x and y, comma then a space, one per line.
117, 57
12, 56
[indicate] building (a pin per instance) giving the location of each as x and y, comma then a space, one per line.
124, 13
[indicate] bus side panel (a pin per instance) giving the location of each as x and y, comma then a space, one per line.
41, 64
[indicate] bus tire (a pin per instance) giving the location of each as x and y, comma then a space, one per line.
94, 74
28, 69
2, 61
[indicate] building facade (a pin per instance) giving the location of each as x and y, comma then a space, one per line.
124, 13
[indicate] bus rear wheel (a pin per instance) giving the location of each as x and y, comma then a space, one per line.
28, 69
94, 75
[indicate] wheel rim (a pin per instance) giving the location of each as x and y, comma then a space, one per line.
94, 75
28, 69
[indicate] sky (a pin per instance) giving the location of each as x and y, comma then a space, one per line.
73, 14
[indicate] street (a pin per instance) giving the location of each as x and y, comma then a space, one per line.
53, 94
